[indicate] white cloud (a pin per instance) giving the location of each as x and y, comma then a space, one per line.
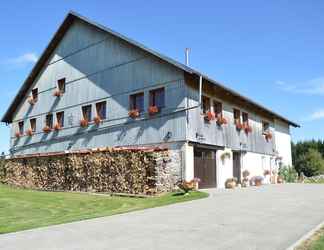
23, 59
317, 115
313, 86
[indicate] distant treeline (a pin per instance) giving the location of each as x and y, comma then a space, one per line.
308, 157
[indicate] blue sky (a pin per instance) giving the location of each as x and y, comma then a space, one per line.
270, 51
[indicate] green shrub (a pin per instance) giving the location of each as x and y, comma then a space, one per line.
288, 173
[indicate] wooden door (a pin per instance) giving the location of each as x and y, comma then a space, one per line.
205, 167
237, 166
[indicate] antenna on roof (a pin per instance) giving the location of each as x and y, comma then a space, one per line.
187, 51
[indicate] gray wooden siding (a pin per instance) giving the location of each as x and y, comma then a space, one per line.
226, 135
100, 67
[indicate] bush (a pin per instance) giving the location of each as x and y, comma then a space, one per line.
289, 174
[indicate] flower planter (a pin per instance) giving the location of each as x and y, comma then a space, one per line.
279, 180
230, 183
29, 132
238, 125
84, 123
209, 116
47, 129
268, 136
247, 128
97, 120
57, 127
257, 183
134, 113
57, 93
152, 110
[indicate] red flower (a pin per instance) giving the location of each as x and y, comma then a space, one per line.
97, 120
29, 132
47, 129
57, 93
57, 126
153, 110
134, 113
221, 120
209, 116
268, 136
238, 124
31, 100
84, 123
18, 134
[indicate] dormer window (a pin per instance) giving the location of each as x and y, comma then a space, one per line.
61, 85
86, 113
205, 104
157, 98
245, 118
218, 109
21, 127
136, 102
101, 110
33, 125
265, 127
35, 95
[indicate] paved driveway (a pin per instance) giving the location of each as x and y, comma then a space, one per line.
269, 217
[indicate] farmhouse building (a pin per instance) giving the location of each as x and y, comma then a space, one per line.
93, 87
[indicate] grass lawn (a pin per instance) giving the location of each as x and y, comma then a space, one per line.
316, 242
22, 209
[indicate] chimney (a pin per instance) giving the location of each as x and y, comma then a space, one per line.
187, 51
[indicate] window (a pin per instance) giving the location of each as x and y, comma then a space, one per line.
49, 121
265, 127
157, 97
237, 114
60, 119
205, 104
218, 109
35, 94
137, 102
101, 110
21, 127
245, 117
86, 113
33, 125
61, 85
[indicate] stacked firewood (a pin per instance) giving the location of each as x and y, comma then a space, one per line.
113, 171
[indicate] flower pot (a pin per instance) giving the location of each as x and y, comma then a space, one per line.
47, 129
29, 132
230, 185
258, 182
97, 120
17, 134
152, 110
57, 127
57, 93
221, 121
31, 101
84, 123
209, 116
134, 113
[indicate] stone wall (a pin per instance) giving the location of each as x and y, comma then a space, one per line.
134, 171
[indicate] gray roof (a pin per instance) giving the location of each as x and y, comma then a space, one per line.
71, 16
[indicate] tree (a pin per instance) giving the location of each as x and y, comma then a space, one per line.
310, 163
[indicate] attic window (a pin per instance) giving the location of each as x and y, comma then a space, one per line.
21, 127
218, 109
136, 102
101, 110
61, 85
245, 117
265, 127
33, 125
205, 104
237, 115
49, 121
86, 113
157, 97
60, 119
35, 95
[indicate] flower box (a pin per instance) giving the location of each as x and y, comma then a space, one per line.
47, 129
221, 120
209, 116
134, 113
247, 128
152, 110
231, 183
57, 127
84, 123
31, 100
187, 186
29, 132
97, 120
18, 134
57, 93
266, 172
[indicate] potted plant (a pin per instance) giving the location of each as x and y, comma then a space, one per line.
225, 155
84, 123
134, 113
238, 124
245, 181
97, 120
47, 129
209, 116
231, 183
256, 180
266, 172
152, 110
57, 93
57, 127
280, 179
31, 100
221, 120
29, 132
187, 186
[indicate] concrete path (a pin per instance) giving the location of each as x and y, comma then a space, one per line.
269, 217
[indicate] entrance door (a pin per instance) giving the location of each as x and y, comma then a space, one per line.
237, 166
205, 167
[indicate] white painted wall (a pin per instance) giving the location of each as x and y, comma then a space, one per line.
224, 169
189, 161
283, 142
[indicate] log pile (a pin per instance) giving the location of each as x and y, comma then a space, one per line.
113, 171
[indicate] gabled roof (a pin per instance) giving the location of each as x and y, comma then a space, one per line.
71, 16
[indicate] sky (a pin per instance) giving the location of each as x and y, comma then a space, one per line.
270, 51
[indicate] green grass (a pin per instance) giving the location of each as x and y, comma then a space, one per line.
22, 209
316, 242
321, 181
